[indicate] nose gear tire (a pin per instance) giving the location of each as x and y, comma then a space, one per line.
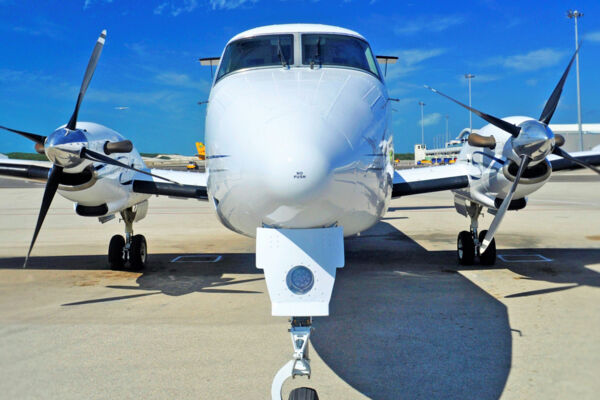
303, 393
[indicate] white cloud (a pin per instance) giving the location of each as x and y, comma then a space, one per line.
88, 3
229, 4
175, 7
593, 37
181, 80
416, 56
409, 61
39, 27
531, 82
16, 76
532, 61
159, 9
140, 49
430, 24
431, 119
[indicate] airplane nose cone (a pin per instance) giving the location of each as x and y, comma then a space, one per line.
297, 172
296, 156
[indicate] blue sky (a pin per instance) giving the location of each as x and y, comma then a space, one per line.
516, 49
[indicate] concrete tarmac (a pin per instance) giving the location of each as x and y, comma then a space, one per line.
406, 322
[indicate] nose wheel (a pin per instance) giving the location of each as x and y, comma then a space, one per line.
469, 242
131, 249
299, 365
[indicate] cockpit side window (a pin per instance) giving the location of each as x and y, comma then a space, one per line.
338, 50
259, 51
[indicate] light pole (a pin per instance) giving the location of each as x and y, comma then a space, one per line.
422, 124
447, 137
469, 77
576, 15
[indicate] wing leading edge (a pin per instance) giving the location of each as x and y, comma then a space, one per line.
432, 179
191, 185
25, 170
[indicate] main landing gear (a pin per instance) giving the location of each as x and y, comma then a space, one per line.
132, 248
468, 243
299, 365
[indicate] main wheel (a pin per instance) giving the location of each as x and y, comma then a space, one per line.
115, 252
465, 248
488, 257
138, 252
303, 393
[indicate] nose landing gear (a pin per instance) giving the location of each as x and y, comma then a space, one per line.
132, 248
469, 242
300, 363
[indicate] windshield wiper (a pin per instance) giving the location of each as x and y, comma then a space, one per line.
317, 54
280, 54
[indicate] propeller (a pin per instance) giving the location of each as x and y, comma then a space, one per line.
97, 157
560, 152
489, 236
67, 147
497, 122
56, 173
49, 192
38, 139
552, 102
87, 77
531, 141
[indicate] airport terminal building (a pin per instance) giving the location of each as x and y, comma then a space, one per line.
444, 155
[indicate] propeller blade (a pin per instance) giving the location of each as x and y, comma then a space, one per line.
97, 157
560, 152
552, 102
31, 136
89, 72
49, 192
504, 206
497, 122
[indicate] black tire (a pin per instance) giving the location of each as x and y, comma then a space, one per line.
303, 393
115, 252
488, 257
138, 252
465, 248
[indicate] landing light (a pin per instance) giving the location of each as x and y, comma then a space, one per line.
300, 280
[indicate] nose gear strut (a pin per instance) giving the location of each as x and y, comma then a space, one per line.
299, 365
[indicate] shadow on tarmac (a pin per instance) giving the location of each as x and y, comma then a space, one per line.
403, 323
160, 276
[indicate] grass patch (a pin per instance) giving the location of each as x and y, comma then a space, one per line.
404, 156
27, 156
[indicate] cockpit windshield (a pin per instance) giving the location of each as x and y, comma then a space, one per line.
338, 50
259, 51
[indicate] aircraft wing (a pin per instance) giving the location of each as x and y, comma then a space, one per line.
190, 185
430, 179
28, 170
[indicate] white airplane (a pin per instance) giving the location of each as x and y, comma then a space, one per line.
299, 155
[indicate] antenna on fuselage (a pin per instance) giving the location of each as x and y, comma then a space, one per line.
386, 60
210, 61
